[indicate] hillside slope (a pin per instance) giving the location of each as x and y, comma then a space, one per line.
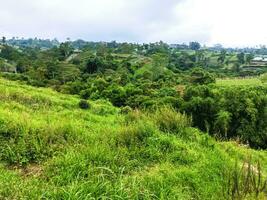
52, 149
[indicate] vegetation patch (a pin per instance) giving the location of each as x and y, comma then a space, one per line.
95, 120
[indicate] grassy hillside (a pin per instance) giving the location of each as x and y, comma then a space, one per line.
52, 149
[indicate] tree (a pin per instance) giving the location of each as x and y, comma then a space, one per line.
67, 72
102, 50
116, 94
3, 40
222, 57
241, 58
182, 61
236, 67
222, 122
249, 57
94, 64
2, 66
9, 53
194, 45
158, 47
199, 76
200, 55
160, 62
125, 48
65, 50
22, 65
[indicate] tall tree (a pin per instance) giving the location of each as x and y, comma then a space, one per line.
194, 45
241, 58
3, 40
65, 50
222, 57
249, 57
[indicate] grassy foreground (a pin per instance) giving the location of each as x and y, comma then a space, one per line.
52, 149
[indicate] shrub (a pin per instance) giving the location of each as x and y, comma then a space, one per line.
126, 110
86, 93
134, 116
83, 104
116, 94
200, 76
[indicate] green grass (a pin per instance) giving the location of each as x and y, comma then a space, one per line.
239, 82
52, 149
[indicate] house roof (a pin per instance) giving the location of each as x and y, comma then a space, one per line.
257, 59
77, 51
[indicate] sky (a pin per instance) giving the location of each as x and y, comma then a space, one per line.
232, 23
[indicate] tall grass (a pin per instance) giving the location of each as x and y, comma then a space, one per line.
168, 120
52, 149
246, 182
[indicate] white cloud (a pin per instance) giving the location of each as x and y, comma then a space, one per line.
230, 22
235, 22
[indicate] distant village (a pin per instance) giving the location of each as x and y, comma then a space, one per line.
257, 63
259, 60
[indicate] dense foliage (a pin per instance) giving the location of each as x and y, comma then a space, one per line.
230, 112
149, 76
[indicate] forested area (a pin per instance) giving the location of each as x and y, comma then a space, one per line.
148, 76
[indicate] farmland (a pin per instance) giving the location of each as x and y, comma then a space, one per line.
239, 82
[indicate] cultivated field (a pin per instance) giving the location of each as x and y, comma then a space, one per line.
239, 81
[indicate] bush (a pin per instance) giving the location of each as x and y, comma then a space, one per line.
134, 116
126, 110
86, 93
83, 104
200, 76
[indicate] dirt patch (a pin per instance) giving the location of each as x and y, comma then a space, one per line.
180, 89
34, 170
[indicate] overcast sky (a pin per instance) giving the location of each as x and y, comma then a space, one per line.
229, 22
